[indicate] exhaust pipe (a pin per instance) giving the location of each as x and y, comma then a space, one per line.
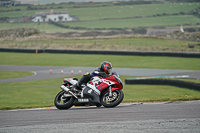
64, 88
68, 90
73, 94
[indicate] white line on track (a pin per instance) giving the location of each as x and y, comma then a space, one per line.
35, 73
122, 104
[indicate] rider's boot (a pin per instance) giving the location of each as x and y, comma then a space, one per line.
86, 77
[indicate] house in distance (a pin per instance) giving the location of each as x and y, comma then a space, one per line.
56, 16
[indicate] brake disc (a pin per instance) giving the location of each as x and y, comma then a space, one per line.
114, 96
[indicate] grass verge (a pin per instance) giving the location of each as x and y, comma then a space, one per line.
32, 94
150, 93
151, 62
13, 74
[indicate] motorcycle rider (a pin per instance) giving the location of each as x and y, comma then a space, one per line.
102, 71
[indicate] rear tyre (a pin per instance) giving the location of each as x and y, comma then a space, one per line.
63, 102
116, 99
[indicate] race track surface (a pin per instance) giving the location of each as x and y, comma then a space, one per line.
133, 117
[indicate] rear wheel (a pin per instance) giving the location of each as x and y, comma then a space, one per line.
63, 100
116, 99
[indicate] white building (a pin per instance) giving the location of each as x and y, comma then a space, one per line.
56, 16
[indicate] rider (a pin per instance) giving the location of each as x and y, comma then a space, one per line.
103, 71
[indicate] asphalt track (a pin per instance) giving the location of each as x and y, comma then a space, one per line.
43, 72
178, 117
130, 117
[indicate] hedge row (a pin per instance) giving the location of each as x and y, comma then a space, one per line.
178, 83
138, 53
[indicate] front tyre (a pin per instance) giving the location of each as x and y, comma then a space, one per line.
116, 99
62, 101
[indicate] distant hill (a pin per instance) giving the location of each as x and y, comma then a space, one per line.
60, 1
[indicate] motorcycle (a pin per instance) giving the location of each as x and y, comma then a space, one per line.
97, 92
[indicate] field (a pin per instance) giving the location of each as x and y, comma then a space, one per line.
121, 16
44, 27
125, 43
130, 10
91, 13
139, 22
121, 23
94, 60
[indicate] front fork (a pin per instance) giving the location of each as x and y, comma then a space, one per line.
110, 92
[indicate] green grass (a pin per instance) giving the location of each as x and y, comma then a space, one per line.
121, 23
41, 93
13, 74
149, 93
93, 61
91, 13
130, 10
50, 6
138, 22
13, 98
29, 94
48, 28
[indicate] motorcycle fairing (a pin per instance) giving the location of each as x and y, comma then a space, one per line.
89, 96
72, 81
93, 87
114, 79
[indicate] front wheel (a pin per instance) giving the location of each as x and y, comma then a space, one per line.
116, 99
63, 101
